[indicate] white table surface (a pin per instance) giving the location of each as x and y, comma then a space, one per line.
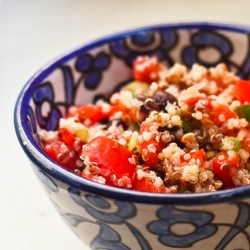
32, 33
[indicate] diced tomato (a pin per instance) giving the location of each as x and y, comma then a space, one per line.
146, 185
67, 137
66, 158
220, 109
70, 140
222, 167
146, 69
221, 81
245, 143
192, 101
197, 155
112, 157
151, 147
242, 92
92, 112
131, 114
214, 110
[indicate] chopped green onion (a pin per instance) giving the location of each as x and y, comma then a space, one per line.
231, 143
225, 166
137, 126
182, 190
186, 127
243, 111
134, 126
82, 134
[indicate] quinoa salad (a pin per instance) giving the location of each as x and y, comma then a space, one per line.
170, 130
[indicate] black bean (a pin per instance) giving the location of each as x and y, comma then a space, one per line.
108, 123
144, 110
196, 124
151, 105
162, 98
140, 97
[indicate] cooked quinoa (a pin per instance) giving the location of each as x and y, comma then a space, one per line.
171, 130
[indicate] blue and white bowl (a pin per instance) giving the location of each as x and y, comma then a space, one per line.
105, 217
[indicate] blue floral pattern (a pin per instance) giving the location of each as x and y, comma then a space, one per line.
92, 67
205, 39
146, 43
98, 208
31, 121
104, 216
241, 223
160, 43
169, 215
44, 93
125, 210
107, 237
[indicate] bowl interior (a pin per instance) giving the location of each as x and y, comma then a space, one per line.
97, 69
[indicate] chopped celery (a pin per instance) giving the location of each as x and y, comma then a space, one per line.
135, 86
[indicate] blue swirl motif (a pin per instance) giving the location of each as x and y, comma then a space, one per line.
107, 237
225, 48
90, 68
31, 121
98, 207
244, 69
145, 42
162, 42
208, 39
241, 223
201, 221
42, 94
169, 215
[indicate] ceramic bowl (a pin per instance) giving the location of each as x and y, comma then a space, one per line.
105, 217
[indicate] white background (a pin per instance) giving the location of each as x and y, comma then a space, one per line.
32, 33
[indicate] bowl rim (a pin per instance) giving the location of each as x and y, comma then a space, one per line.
48, 166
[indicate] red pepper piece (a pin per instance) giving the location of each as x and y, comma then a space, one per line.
222, 167
66, 158
146, 185
197, 155
67, 137
242, 92
150, 148
91, 112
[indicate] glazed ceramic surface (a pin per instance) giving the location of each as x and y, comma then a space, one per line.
110, 218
